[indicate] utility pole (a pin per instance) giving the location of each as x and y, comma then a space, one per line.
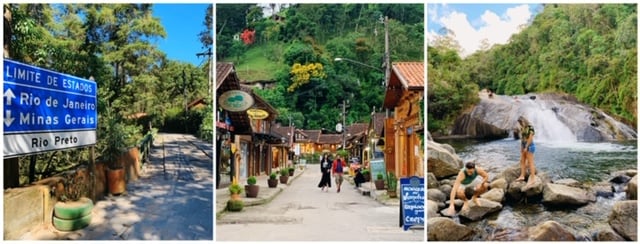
209, 54
344, 126
387, 61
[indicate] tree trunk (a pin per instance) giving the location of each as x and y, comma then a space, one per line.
7, 30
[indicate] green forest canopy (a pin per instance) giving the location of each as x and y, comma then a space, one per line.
296, 48
586, 50
114, 44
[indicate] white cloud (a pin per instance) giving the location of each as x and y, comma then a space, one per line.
492, 27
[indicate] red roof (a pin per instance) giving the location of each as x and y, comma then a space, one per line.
405, 76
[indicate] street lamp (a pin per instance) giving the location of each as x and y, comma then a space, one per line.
357, 62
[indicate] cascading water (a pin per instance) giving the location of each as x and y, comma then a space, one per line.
548, 127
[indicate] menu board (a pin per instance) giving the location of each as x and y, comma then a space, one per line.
412, 201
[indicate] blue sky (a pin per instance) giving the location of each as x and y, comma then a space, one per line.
473, 23
183, 23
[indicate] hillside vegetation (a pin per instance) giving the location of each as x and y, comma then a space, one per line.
297, 48
586, 50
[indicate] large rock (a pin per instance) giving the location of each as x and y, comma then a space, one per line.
620, 179
442, 160
496, 116
477, 212
568, 182
436, 195
432, 209
469, 125
445, 229
534, 189
561, 195
624, 219
495, 194
499, 183
550, 231
432, 181
446, 189
607, 234
632, 188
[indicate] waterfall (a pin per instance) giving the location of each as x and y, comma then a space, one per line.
548, 127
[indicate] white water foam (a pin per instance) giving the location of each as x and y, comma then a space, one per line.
546, 124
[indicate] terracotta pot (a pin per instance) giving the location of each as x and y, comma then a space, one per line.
252, 190
392, 194
116, 181
273, 183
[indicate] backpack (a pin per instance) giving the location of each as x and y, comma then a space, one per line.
339, 166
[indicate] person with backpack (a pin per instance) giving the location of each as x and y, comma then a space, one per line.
338, 168
527, 148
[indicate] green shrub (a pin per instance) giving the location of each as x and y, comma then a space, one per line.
379, 176
284, 172
273, 176
251, 180
235, 205
235, 189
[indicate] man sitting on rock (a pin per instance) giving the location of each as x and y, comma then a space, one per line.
467, 184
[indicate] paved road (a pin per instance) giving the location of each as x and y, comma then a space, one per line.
304, 213
172, 201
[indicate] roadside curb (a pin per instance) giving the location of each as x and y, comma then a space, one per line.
223, 196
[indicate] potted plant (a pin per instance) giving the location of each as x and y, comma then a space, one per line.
272, 181
366, 174
392, 185
251, 188
284, 175
73, 209
115, 140
235, 189
379, 182
235, 205
291, 170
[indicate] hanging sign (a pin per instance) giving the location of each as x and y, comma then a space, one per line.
255, 113
235, 101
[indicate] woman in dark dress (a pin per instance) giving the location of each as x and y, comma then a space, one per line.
325, 168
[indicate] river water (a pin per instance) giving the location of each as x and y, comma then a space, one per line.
585, 162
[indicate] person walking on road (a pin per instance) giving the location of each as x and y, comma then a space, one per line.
325, 169
338, 167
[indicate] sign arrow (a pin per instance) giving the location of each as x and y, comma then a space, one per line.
8, 120
10, 96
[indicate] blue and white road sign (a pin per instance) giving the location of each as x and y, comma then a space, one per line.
45, 110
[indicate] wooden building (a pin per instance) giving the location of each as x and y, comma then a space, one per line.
405, 96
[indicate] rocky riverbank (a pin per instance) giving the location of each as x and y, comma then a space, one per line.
563, 209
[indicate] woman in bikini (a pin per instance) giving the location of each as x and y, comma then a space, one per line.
527, 148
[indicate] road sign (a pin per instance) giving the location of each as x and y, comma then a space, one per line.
412, 201
45, 110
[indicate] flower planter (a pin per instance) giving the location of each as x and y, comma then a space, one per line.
116, 181
291, 171
379, 184
235, 205
392, 194
72, 215
252, 190
235, 197
272, 183
367, 177
284, 179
